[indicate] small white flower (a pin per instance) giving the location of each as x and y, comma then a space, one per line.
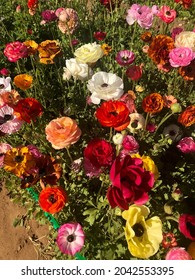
5, 84
80, 71
105, 86
118, 138
67, 74
137, 121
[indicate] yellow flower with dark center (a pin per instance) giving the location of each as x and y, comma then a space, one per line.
19, 161
48, 50
23, 81
106, 49
32, 46
143, 236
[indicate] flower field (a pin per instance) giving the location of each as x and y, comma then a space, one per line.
97, 124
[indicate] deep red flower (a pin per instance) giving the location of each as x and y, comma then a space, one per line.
113, 114
169, 240
187, 226
186, 3
99, 35
32, 4
134, 72
130, 182
109, 4
28, 109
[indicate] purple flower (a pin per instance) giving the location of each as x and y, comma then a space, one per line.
125, 57
47, 16
181, 56
175, 31
129, 143
186, 145
70, 239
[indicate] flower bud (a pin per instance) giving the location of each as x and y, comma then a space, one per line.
176, 108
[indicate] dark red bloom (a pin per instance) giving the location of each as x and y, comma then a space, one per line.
99, 35
109, 4
32, 4
134, 72
113, 114
187, 226
186, 3
169, 240
130, 182
28, 109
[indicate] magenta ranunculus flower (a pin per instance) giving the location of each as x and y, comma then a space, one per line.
130, 144
178, 253
70, 239
175, 31
186, 145
181, 56
125, 57
99, 35
167, 14
134, 72
4, 72
187, 226
130, 182
48, 16
16, 50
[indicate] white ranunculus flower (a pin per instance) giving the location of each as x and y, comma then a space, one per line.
137, 121
118, 138
185, 39
66, 75
5, 84
80, 71
89, 53
105, 86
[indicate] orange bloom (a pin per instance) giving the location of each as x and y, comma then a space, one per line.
188, 72
62, 132
153, 103
160, 48
52, 199
146, 36
106, 49
10, 98
32, 46
187, 117
48, 50
23, 81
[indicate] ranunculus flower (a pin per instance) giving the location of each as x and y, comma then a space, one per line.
9, 123
143, 235
175, 31
191, 249
167, 14
4, 72
14, 51
169, 240
130, 182
177, 253
187, 226
106, 49
125, 57
10, 98
153, 103
89, 53
48, 16
32, 46
173, 132
62, 132
137, 122
187, 117
105, 86
48, 50
68, 20
23, 81
98, 155
4, 147
5, 84
134, 72
186, 3
52, 199
185, 39
28, 109
186, 145
80, 71
99, 35
188, 72
113, 114
130, 144
181, 56
70, 238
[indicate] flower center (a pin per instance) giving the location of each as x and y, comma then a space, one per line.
52, 199
2, 86
70, 238
5, 118
138, 229
115, 114
19, 158
104, 85
134, 124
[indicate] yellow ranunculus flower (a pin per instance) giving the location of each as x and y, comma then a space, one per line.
143, 236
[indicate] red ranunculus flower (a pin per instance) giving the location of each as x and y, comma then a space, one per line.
52, 199
130, 182
187, 226
98, 155
99, 35
113, 114
134, 72
28, 109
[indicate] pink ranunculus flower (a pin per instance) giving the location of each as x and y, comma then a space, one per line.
48, 16
130, 144
4, 72
4, 147
70, 238
16, 50
130, 182
167, 14
178, 253
187, 226
181, 56
186, 145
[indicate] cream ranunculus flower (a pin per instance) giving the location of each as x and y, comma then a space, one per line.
143, 236
137, 121
89, 53
185, 39
105, 86
80, 71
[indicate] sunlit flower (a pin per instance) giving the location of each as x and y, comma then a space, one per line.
188, 72
169, 100
153, 103
48, 16
181, 56
187, 117
32, 6
186, 145
68, 20
32, 47
106, 49
105, 86
10, 98
70, 239
137, 122
186, 3
185, 39
5, 84
4, 72
177, 253
125, 57
16, 50
89, 53
167, 14
134, 72
23, 81
130, 144
99, 35
4, 147
143, 236
9, 123
169, 240
80, 71
48, 50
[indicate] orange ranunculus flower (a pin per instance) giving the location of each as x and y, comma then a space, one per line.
48, 50
160, 48
11, 98
188, 72
23, 81
113, 114
52, 199
62, 132
32, 46
153, 103
146, 36
187, 117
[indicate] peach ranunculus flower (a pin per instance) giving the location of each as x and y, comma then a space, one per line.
48, 50
23, 81
62, 132
68, 20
